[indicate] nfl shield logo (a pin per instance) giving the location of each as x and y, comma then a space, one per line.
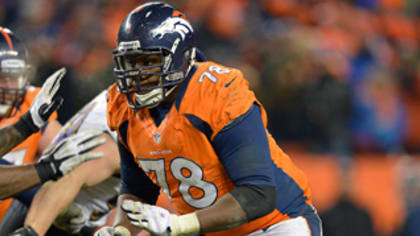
157, 138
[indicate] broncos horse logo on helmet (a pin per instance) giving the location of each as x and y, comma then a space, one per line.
14, 72
154, 28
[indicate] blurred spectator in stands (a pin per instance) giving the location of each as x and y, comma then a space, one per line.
379, 116
306, 57
410, 83
346, 218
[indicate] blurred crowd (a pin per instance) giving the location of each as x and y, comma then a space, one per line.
335, 76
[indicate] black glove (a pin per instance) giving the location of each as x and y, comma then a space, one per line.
44, 104
61, 158
24, 231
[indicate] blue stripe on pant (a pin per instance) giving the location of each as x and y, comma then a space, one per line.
313, 220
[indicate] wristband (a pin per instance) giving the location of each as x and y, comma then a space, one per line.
46, 171
187, 224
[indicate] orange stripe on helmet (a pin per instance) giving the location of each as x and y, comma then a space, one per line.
7, 37
177, 13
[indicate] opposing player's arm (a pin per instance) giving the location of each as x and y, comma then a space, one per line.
60, 160
54, 197
48, 135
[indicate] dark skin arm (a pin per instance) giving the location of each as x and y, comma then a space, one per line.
10, 137
14, 179
226, 213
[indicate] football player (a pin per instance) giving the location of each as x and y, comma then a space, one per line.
86, 196
27, 119
196, 131
16, 97
26, 113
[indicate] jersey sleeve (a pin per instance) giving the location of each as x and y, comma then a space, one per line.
117, 110
219, 95
244, 150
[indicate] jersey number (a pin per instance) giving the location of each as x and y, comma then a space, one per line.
211, 77
189, 174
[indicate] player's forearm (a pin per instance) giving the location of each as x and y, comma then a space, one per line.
50, 201
15, 179
226, 213
10, 137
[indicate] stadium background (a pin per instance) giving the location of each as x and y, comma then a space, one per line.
340, 81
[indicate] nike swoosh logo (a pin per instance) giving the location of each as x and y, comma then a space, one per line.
230, 82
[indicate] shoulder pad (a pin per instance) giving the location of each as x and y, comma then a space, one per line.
217, 95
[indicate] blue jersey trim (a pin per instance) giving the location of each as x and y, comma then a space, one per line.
242, 147
290, 198
133, 179
201, 125
4, 162
123, 131
159, 113
183, 89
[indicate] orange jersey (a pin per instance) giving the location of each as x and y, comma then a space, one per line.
180, 158
26, 151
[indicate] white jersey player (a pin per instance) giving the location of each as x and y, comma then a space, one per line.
86, 197
95, 202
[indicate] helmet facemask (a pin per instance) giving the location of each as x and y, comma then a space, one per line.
13, 81
129, 78
154, 28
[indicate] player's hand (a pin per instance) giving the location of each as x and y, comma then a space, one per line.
158, 221
24, 231
68, 154
71, 220
111, 231
154, 219
44, 104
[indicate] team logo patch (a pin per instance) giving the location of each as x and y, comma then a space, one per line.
157, 138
